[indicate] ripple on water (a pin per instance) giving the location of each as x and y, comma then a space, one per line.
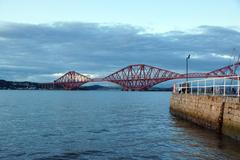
41, 125
98, 131
75, 155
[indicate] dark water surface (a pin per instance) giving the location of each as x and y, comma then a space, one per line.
92, 125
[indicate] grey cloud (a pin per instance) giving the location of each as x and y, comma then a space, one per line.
33, 50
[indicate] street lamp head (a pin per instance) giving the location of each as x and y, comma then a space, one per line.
188, 57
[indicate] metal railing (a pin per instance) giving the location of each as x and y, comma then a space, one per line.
224, 86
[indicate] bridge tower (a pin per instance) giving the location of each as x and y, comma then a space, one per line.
71, 80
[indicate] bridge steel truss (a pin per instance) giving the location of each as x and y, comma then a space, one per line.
140, 77
71, 80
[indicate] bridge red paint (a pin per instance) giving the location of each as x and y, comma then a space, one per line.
140, 77
71, 80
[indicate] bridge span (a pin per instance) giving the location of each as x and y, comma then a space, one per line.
137, 77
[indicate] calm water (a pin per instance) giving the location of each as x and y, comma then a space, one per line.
92, 125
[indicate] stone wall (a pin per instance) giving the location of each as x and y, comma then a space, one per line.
218, 113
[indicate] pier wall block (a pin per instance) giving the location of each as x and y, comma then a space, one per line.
218, 113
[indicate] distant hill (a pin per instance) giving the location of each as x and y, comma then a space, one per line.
98, 87
17, 85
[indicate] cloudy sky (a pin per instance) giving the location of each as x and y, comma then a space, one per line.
40, 40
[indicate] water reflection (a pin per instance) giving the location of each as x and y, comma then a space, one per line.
207, 140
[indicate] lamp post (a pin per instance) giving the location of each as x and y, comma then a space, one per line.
187, 58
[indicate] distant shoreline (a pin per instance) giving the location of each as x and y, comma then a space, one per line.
13, 85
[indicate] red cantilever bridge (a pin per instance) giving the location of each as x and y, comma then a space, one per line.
139, 77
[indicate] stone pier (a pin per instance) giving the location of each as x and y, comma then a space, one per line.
218, 113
